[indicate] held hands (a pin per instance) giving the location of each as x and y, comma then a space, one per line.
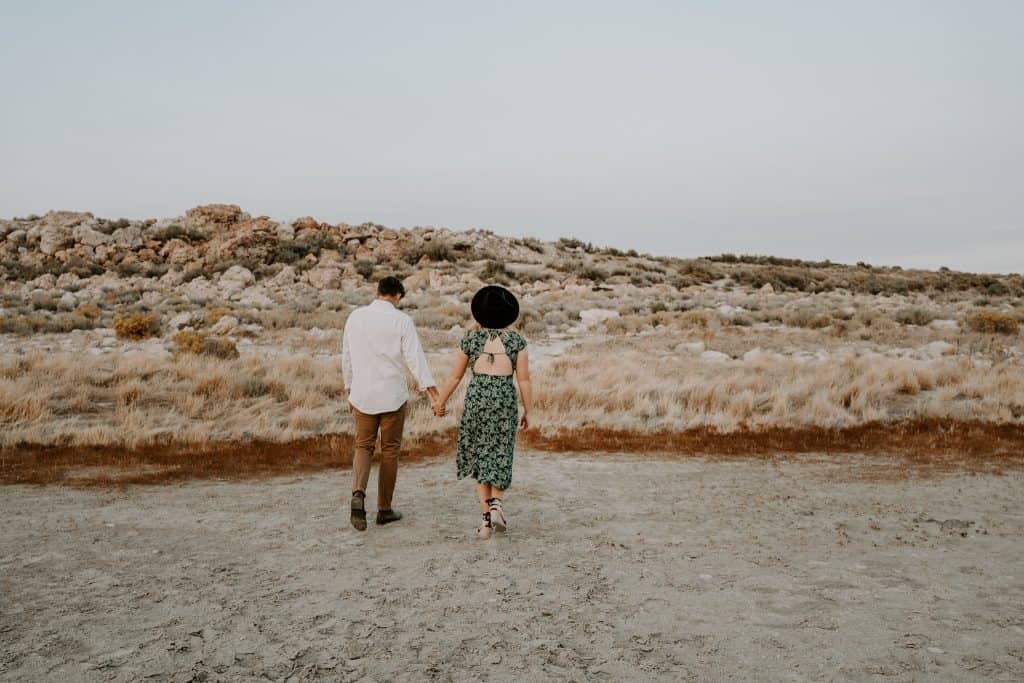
524, 421
436, 404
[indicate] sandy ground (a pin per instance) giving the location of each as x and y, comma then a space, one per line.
613, 568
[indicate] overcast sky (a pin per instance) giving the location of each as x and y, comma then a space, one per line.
889, 132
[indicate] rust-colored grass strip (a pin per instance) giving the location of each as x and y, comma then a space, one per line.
89, 466
927, 446
922, 446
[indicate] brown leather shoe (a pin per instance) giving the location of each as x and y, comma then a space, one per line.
358, 513
388, 516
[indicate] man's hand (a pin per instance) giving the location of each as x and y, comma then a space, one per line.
435, 402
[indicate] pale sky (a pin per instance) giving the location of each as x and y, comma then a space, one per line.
882, 131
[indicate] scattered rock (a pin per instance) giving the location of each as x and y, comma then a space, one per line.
690, 347
592, 316
183, 319
210, 217
225, 325
322, 277
236, 278
128, 238
936, 349
944, 324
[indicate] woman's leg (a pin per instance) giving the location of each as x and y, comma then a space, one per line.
495, 492
483, 492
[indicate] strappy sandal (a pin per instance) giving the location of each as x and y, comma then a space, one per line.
497, 515
484, 532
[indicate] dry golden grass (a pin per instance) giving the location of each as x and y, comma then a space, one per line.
133, 400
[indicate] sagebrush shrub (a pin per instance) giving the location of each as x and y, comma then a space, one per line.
203, 345
993, 322
136, 326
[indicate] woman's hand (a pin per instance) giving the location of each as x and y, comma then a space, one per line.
524, 421
438, 408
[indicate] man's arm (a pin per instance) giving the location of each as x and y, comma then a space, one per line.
416, 360
346, 358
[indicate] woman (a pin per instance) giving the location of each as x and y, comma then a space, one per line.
487, 430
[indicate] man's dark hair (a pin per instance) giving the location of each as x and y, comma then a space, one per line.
391, 286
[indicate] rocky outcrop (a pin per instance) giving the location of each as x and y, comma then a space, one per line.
251, 240
210, 218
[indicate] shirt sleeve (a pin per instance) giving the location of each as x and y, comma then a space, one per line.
467, 344
415, 359
346, 358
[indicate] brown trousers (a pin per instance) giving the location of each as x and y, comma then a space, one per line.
390, 426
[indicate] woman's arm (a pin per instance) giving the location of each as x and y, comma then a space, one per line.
458, 370
525, 387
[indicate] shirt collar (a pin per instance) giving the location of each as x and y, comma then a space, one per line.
382, 302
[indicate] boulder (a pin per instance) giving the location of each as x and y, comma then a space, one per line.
944, 324
69, 282
16, 236
67, 302
178, 252
690, 347
183, 319
755, 354
85, 234
209, 218
937, 349
225, 325
286, 276
592, 316
128, 238
766, 288
306, 222
172, 278
417, 281
254, 239
324, 277
53, 238
254, 297
285, 232
237, 277
200, 290
715, 357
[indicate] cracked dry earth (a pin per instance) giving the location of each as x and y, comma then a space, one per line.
613, 568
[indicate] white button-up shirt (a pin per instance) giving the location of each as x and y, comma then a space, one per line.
380, 342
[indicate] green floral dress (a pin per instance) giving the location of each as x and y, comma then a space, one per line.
487, 430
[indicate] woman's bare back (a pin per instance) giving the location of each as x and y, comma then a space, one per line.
494, 360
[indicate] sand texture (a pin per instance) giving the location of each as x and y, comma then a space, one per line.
613, 569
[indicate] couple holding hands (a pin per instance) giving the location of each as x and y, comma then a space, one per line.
380, 342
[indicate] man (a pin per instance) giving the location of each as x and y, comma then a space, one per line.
380, 342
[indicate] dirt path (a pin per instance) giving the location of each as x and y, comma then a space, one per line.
613, 569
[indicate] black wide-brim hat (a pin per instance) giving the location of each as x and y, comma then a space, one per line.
495, 307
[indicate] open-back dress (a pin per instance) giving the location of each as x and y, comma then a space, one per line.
487, 429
